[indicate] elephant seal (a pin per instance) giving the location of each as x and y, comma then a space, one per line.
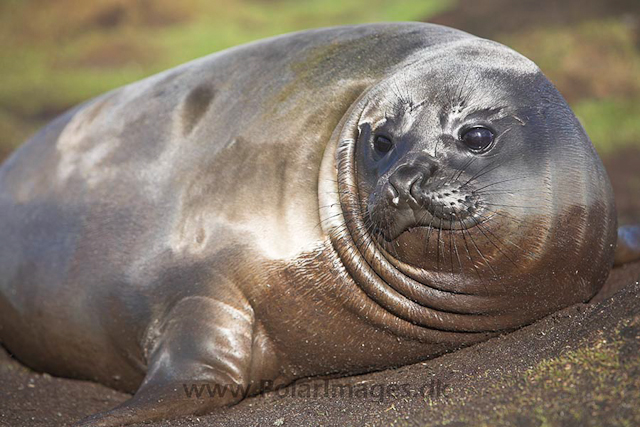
328, 202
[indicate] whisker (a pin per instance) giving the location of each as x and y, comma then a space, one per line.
501, 182
480, 174
494, 244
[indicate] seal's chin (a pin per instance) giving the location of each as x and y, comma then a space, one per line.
390, 221
392, 230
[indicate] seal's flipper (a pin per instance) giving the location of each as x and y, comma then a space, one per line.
200, 361
628, 248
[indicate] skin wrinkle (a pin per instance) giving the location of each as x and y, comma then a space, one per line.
195, 106
488, 235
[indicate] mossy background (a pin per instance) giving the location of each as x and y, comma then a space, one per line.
57, 53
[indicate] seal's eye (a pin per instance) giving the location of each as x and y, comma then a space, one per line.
382, 144
477, 139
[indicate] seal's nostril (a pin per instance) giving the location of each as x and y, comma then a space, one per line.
414, 187
392, 194
403, 181
416, 179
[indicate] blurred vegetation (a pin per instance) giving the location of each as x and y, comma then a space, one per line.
57, 53
596, 66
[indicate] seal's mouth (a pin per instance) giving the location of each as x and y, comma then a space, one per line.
438, 205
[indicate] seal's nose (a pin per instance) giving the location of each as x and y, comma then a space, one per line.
407, 175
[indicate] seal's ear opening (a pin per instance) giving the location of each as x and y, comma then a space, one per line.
364, 136
364, 131
366, 177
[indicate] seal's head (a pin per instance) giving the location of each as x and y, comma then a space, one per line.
470, 188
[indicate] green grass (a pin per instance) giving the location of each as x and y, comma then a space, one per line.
256, 20
611, 123
59, 68
55, 54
